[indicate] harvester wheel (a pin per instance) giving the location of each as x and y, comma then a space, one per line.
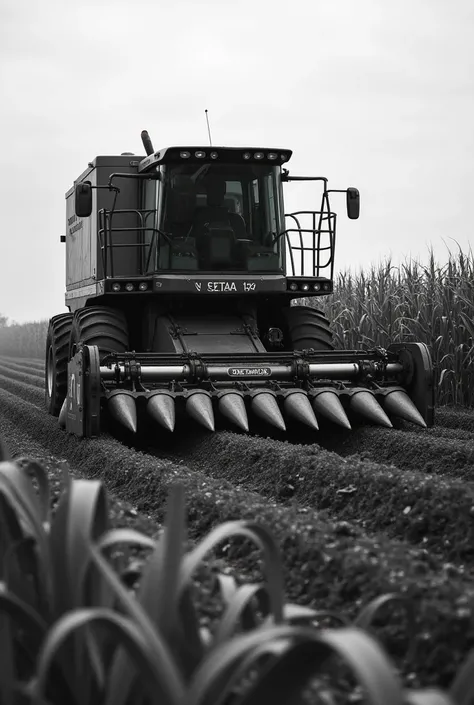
57, 356
308, 328
97, 325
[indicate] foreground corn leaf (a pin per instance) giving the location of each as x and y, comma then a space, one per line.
18, 489
240, 611
157, 593
156, 681
7, 661
368, 614
428, 696
156, 646
299, 614
462, 687
34, 468
16, 617
262, 538
4, 452
284, 678
81, 515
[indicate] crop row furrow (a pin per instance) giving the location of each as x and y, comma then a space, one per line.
432, 511
23, 390
22, 363
435, 512
328, 565
425, 450
35, 380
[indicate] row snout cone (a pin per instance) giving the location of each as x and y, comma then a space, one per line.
327, 404
199, 407
297, 406
399, 404
122, 408
365, 404
265, 405
161, 408
232, 406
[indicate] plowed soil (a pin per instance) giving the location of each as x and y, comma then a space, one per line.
357, 514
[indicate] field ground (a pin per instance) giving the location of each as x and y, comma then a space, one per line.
357, 514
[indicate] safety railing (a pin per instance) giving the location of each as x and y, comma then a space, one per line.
108, 241
310, 243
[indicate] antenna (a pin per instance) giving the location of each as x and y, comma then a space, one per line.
208, 128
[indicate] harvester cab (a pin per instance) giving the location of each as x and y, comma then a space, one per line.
181, 273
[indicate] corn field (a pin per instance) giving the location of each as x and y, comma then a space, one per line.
432, 304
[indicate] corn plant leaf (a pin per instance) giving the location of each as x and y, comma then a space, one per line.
81, 515
462, 687
208, 683
366, 617
264, 540
7, 661
62, 580
16, 615
4, 452
155, 679
18, 489
114, 537
300, 614
38, 471
116, 693
158, 586
256, 661
240, 612
285, 677
226, 585
428, 696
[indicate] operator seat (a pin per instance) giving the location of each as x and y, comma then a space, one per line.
217, 212
216, 230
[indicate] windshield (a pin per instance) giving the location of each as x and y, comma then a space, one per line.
218, 217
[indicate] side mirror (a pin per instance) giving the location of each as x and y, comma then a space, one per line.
83, 195
353, 203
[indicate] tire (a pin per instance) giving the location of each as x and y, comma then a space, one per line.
57, 356
308, 328
97, 325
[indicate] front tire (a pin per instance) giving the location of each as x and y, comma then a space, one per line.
101, 326
308, 328
57, 356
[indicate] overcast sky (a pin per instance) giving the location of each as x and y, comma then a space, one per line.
370, 93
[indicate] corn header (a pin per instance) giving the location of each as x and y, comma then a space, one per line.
181, 274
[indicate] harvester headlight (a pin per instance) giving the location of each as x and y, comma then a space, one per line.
214, 155
284, 157
247, 155
115, 286
326, 286
294, 286
129, 286
272, 155
305, 287
200, 155
316, 287
184, 155
143, 286
258, 155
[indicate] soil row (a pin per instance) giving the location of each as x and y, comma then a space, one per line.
436, 512
329, 565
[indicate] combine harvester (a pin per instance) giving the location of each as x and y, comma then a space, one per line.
180, 272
